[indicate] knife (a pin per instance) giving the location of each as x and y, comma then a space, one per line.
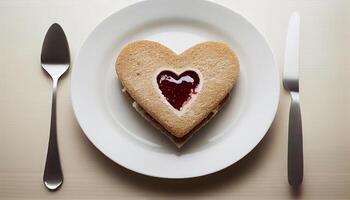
291, 84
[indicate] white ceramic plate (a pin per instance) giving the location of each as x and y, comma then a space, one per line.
118, 131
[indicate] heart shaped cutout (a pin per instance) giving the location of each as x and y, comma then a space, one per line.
178, 90
155, 79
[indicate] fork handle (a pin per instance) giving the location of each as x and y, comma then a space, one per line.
53, 177
295, 142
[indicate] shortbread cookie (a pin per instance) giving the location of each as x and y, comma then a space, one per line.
177, 92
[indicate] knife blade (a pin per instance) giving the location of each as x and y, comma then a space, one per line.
291, 56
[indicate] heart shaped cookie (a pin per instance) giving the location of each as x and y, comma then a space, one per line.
177, 93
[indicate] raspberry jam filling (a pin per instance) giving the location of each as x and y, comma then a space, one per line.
178, 89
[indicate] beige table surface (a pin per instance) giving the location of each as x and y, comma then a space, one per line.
25, 100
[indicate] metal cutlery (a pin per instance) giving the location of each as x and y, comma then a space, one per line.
55, 61
291, 84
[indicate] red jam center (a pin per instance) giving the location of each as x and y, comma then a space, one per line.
178, 89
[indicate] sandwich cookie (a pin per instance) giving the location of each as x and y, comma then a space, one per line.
178, 94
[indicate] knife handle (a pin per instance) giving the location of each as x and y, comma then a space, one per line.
295, 142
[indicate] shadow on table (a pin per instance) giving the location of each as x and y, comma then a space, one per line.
295, 192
